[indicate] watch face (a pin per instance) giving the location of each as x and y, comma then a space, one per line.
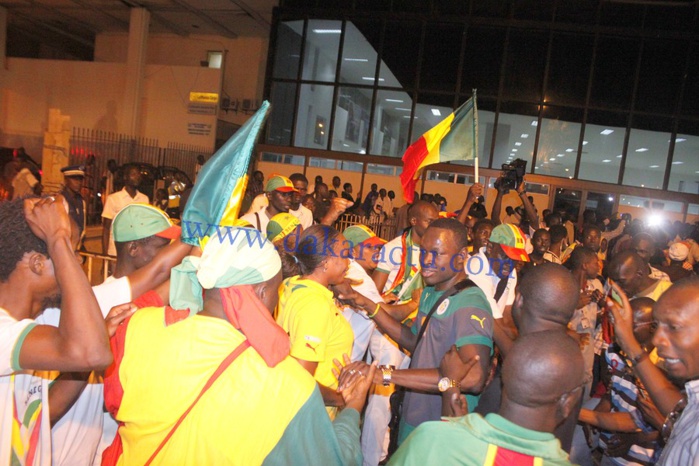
444, 384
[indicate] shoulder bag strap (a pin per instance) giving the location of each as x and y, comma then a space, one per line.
462, 285
222, 367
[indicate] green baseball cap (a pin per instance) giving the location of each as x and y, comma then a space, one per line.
138, 221
279, 183
358, 234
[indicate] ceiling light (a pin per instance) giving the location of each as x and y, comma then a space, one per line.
606, 161
398, 101
654, 166
560, 155
552, 159
436, 112
512, 155
402, 109
584, 143
369, 78
327, 31
360, 60
680, 139
677, 163
514, 150
569, 150
408, 116
619, 156
345, 144
567, 170
607, 132
518, 143
642, 149
524, 136
535, 123
611, 199
570, 177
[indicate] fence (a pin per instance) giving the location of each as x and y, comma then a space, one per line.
91, 262
385, 229
93, 148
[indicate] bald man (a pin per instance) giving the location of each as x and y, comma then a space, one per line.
545, 301
630, 271
542, 385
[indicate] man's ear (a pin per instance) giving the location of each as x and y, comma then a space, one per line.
519, 300
37, 262
260, 290
568, 404
132, 248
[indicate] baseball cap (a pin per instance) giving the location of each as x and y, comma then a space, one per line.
138, 221
362, 234
73, 170
679, 251
279, 183
512, 241
281, 225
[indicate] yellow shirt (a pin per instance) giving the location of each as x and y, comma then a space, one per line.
317, 329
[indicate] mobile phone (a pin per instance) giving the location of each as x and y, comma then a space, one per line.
609, 291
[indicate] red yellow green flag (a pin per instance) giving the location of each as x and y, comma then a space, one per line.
454, 138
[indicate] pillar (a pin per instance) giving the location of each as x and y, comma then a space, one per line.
135, 70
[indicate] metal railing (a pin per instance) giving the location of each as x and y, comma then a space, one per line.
89, 259
385, 229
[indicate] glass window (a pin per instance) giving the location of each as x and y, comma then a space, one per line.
568, 201
358, 55
320, 51
515, 134
558, 141
429, 112
491, 8
603, 144
378, 169
617, 14
401, 48
288, 52
569, 72
482, 60
693, 209
440, 63
352, 119
350, 166
645, 203
390, 135
524, 71
615, 65
646, 156
317, 162
486, 126
282, 98
684, 171
601, 203
313, 116
660, 77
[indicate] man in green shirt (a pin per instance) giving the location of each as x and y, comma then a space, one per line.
536, 398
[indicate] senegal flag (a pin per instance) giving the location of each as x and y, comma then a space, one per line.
215, 198
454, 138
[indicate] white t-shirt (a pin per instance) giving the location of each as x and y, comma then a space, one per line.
115, 202
258, 203
362, 326
251, 218
478, 269
304, 215
78, 435
27, 390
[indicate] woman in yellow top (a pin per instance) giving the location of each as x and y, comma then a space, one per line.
318, 331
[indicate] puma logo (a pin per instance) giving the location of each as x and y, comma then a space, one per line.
480, 321
308, 345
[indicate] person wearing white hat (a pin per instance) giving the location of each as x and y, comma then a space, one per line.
677, 254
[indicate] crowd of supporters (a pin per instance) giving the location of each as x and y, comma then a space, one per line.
464, 338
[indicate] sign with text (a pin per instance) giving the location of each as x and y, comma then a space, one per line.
199, 129
204, 97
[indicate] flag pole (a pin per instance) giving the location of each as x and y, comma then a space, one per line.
475, 138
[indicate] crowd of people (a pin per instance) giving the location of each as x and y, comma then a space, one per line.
467, 338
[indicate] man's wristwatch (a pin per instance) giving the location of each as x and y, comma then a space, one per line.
445, 383
386, 372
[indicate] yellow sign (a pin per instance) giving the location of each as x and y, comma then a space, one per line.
203, 97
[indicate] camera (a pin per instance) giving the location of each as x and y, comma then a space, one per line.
512, 176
